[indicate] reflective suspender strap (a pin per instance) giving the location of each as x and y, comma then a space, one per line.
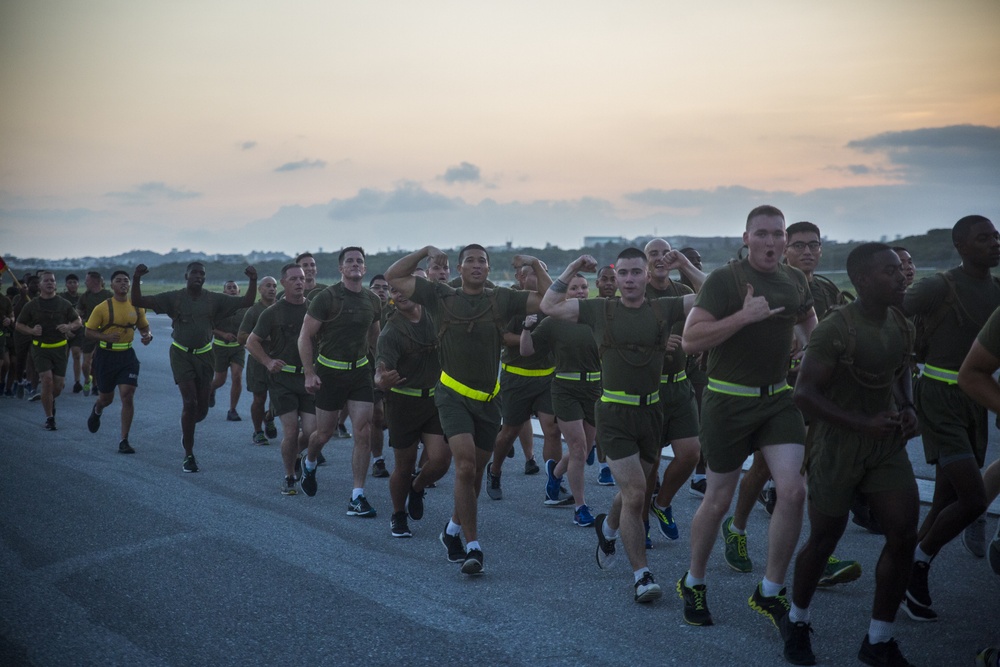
940, 374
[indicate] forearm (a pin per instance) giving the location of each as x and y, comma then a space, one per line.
406, 265
527, 345
256, 350
704, 335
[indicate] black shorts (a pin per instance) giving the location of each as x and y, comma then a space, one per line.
409, 417
339, 387
112, 368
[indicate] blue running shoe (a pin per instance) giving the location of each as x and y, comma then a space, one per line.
583, 517
665, 518
552, 483
592, 455
605, 478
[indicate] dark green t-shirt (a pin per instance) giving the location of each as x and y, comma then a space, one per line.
191, 317
572, 344
411, 349
511, 354
989, 337
825, 295
346, 317
952, 339
631, 340
757, 354
278, 328
231, 323
88, 300
469, 348
674, 361
50, 313
250, 317
72, 298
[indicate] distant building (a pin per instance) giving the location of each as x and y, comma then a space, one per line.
595, 241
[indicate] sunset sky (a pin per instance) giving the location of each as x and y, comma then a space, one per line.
230, 126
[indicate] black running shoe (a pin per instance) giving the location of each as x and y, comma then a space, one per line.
94, 420
917, 611
917, 590
798, 646
453, 543
308, 482
493, 489
124, 447
77, 387
415, 503
189, 464
530, 467
605, 548
695, 602
50, 424
473, 562
359, 507
773, 607
397, 524
269, 428
883, 654
378, 468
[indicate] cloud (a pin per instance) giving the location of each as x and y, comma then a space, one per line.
696, 199
407, 197
148, 193
302, 164
247, 145
955, 154
465, 172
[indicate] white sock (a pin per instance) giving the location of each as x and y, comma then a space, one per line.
97, 411
734, 529
453, 528
691, 582
608, 533
768, 588
357, 492
798, 614
473, 545
309, 465
920, 555
639, 573
879, 631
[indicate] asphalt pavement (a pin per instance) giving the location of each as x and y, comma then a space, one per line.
109, 559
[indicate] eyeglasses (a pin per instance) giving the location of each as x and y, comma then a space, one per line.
799, 246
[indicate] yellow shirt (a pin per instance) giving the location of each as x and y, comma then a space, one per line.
123, 316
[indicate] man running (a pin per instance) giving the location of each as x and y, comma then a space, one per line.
262, 420
94, 295
229, 354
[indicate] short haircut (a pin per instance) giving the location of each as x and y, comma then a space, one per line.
343, 253
73, 276
94, 274
119, 272
898, 249
190, 264
45, 272
288, 267
606, 267
631, 253
230, 282
303, 256
859, 260
374, 278
960, 232
472, 246
765, 210
802, 228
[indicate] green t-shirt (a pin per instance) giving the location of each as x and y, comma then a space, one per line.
572, 344
469, 348
881, 352
191, 317
231, 323
631, 340
50, 313
989, 337
250, 317
674, 361
72, 298
278, 328
511, 354
346, 317
952, 339
88, 300
757, 354
825, 295
411, 349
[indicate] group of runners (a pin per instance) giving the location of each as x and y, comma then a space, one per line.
761, 357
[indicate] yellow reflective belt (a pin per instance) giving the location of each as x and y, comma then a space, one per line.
582, 376
341, 365
291, 369
200, 350
466, 391
733, 389
940, 374
115, 346
46, 346
528, 372
676, 377
416, 393
608, 396
222, 343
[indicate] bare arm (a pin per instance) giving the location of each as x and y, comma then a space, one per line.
256, 349
554, 303
803, 329
310, 327
138, 300
975, 377
373, 332
525, 345
675, 259
541, 275
251, 294
400, 274
703, 331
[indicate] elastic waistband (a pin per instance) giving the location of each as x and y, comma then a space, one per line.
341, 365
192, 350
222, 343
114, 347
415, 393
940, 374
291, 369
467, 391
733, 389
673, 377
528, 372
581, 376
608, 396
46, 346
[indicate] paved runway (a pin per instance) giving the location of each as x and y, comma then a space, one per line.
111, 559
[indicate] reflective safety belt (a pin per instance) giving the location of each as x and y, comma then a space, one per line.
416, 393
673, 377
341, 365
117, 347
191, 350
733, 389
528, 372
467, 391
291, 369
608, 396
46, 346
581, 376
222, 343
940, 374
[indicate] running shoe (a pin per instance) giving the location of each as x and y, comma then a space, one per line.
397, 525
493, 489
86, 388
917, 590
839, 571
552, 483
736, 548
695, 602
94, 420
342, 432
36, 396
592, 455
604, 477
798, 646
415, 503
77, 387
988, 657
269, 428
453, 543
697, 487
530, 467
473, 563
606, 555
50, 424
883, 654
647, 590
124, 447
288, 487
974, 537
583, 517
773, 608
360, 507
260, 439
768, 498
189, 465
20, 391
665, 519
917, 612
308, 482
378, 468
233, 416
